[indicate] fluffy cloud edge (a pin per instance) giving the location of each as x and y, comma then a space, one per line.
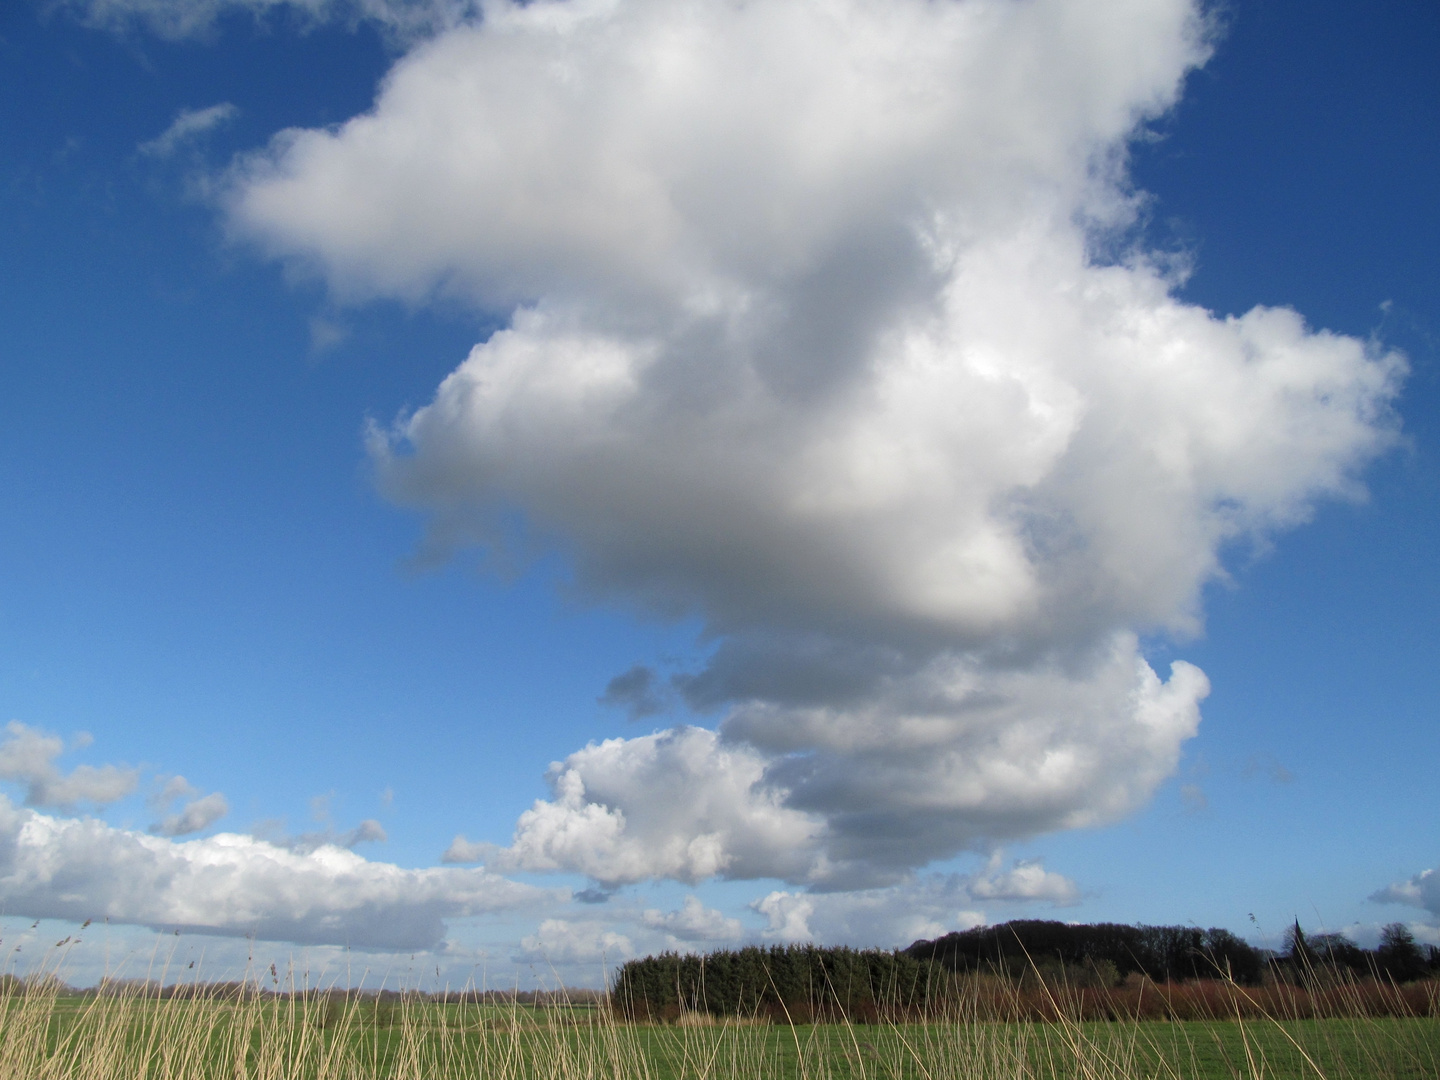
237, 886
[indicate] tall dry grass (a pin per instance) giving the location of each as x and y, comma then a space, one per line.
993, 1028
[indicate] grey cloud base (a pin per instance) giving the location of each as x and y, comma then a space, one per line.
808, 336
27, 756
233, 885
847, 798
1421, 891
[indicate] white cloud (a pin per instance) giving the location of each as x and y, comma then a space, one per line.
462, 850
923, 907
694, 922
195, 815
189, 124
850, 796
27, 756
190, 18
1026, 880
1421, 891
678, 804
233, 885
809, 336
788, 915
887, 918
562, 941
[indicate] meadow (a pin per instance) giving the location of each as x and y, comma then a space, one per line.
140, 1030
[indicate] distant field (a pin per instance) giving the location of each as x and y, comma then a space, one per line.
89, 1038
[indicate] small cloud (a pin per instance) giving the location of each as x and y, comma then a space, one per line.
196, 815
465, 851
168, 789
27, 756
188, 124
400, 21
325, 334
1027, 880
694, 922
320, 806
1194, 798
1268, 767
559, 941
1421, 891
638, 691
368, 831
788, 915
387, 796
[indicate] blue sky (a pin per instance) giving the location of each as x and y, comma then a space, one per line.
749, 450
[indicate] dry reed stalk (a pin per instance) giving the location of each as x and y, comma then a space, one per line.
153, 1031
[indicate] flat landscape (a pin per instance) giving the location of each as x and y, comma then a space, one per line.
719, 540
89, 1036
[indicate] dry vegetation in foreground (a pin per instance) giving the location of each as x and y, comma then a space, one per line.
989, 1028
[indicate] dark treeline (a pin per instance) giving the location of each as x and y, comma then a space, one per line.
784, 982
1098, 951
1111, 951
804, 983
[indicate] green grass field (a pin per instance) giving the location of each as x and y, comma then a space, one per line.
86, 1037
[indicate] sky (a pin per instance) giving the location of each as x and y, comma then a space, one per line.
491, 489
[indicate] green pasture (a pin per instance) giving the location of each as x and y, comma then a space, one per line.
88, 1038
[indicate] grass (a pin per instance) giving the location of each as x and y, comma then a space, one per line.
48, 1032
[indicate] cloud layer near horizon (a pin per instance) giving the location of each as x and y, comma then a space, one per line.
810, 334
232, 885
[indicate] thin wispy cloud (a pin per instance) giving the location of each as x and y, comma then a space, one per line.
188, 126
179, 19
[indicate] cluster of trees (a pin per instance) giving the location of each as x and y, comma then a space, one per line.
798, 982
1398, 958
1175, 953
803, 982
1097, 951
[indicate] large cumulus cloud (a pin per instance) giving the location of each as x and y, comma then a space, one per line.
823, 324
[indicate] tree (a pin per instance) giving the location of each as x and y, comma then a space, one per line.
1399, 957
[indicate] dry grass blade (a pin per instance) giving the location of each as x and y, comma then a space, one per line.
988, 1028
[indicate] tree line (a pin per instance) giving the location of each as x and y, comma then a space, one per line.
1176, 953
804, 982
799, 983
1097, 951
